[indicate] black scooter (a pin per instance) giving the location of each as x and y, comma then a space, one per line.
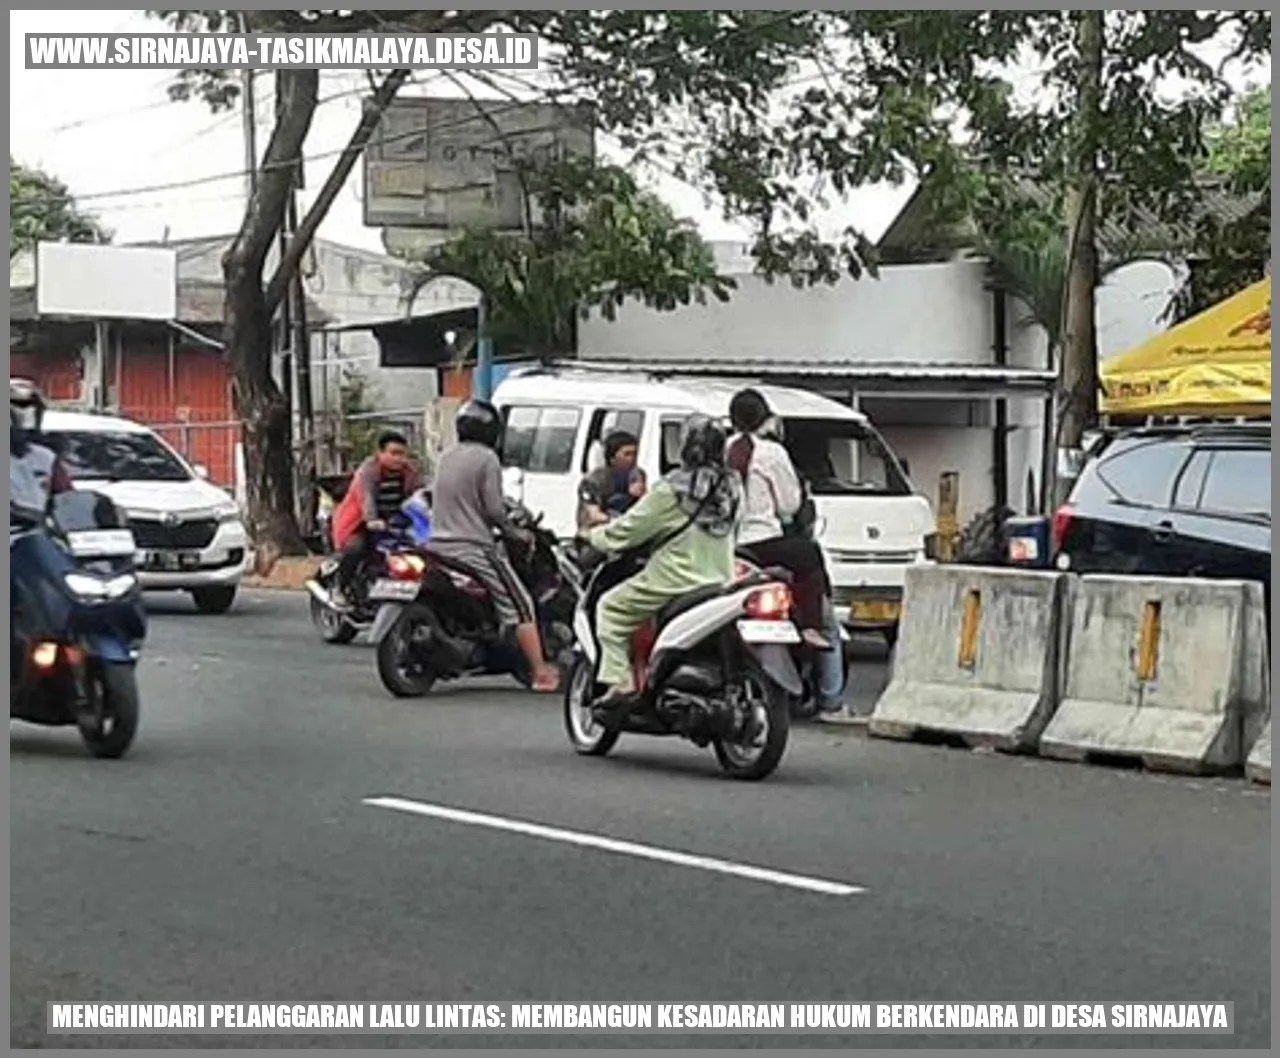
77, 620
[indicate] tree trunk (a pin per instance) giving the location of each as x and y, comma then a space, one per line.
259, 403
1079, 375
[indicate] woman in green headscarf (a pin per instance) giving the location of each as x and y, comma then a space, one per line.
692, 515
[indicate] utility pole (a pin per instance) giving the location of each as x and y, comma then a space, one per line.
1078, 380
249, 123
295, 363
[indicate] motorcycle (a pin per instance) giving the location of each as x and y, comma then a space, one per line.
437, 622
806, 705
340, 625
78, 628
714, 667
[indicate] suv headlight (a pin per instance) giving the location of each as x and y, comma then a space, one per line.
227, 512
89, 587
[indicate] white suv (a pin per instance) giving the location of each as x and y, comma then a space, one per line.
189, 532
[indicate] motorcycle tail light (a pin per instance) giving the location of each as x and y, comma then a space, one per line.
405, 567
45, 655
773, 603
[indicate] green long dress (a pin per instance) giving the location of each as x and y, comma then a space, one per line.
693, 559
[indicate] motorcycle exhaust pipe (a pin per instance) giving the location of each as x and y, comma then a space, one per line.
318, 593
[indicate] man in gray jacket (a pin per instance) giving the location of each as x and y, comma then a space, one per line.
466, 508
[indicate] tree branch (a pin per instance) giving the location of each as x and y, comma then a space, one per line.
302, 239
299, 91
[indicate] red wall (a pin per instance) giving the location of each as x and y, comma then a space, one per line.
57, 374
197, 391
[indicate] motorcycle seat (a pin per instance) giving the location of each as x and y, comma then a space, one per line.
688, 601
453, 564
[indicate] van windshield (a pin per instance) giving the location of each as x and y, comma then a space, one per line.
837, 457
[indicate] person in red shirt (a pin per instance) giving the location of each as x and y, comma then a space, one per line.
378, 489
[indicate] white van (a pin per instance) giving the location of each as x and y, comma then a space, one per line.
873, 523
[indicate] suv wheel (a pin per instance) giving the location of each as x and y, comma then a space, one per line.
214, 600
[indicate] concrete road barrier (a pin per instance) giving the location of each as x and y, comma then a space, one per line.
1258, 764
978, 658
1171, 672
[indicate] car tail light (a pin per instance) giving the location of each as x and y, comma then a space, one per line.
45, 655
770, 604
405, 567
1061, 523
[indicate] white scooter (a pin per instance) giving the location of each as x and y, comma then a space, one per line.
715, 667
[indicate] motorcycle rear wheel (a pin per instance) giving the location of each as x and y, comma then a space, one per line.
403, 676
587, 735
108, 722
772, 709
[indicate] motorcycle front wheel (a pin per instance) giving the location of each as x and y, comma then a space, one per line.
333, 627
758, 752
588, 736
108, 720
403, 669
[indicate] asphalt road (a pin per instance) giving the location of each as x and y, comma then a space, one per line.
232, 857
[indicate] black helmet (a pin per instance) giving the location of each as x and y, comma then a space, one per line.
478, 421
702, 442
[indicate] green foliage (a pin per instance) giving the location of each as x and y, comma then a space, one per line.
603, 240
1233, 252
360, 435
42, 208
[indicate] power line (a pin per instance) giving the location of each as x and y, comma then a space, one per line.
293, 162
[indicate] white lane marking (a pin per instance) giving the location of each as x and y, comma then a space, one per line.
625, 848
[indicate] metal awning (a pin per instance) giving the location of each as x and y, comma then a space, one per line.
883, 378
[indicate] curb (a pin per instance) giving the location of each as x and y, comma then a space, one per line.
288, 574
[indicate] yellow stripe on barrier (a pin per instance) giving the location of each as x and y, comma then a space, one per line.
1149, 642
969, 629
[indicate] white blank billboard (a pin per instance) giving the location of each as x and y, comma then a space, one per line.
106, 282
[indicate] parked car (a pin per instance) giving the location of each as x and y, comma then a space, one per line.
1174, 501
189, 533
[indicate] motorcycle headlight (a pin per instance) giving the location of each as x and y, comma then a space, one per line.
89, 587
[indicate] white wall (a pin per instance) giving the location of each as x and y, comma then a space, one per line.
921, 314
912, 314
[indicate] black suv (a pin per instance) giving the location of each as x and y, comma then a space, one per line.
1191, 501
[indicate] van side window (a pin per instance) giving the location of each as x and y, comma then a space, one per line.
554, 441
603, 423
540, 440
670, 455
517, 441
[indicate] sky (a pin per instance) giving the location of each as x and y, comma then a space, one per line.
102, 131
106, 131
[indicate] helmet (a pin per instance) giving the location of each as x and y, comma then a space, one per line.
478, 421
26, 404
702, 442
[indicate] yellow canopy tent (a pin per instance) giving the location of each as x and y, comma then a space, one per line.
1215, 364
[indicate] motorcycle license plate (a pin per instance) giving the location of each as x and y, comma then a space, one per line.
387, 590
768, 632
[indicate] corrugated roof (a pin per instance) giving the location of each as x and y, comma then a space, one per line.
914, 231
886, 371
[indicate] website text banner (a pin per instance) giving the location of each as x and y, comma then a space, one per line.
282, 51
636, 1018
